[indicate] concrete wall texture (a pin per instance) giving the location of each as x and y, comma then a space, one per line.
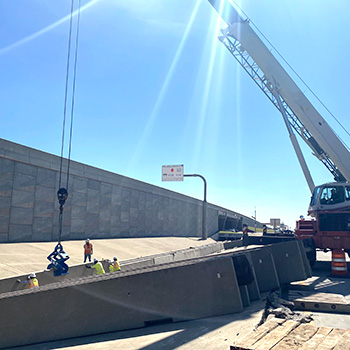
101, 204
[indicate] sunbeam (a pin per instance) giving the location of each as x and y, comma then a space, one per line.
163, 91
46, 29
205, 94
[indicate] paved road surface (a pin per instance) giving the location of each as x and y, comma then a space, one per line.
22, 258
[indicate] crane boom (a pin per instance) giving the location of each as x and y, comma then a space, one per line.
250, 51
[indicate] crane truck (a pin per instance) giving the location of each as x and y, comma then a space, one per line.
330, 203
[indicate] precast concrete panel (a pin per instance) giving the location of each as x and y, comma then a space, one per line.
289, 262
253, 288
265, 269
114, 302
244, 295
77, 271
100, 204
306, 261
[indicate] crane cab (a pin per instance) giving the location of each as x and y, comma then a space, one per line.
330, 197
330, 207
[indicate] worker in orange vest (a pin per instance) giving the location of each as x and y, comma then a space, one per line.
114, 265
32, 281
88, 250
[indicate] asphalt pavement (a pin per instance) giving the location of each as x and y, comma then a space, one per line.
23, 258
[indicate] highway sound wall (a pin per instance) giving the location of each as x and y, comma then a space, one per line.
101, 204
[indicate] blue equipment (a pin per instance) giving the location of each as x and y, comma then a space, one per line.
57, 261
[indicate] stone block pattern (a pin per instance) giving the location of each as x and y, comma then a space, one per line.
100, 204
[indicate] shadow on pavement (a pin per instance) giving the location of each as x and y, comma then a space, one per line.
181, 333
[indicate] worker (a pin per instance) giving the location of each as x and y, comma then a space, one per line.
114, 265
88, 250
264, 230
32, 281
97, 266
245, 229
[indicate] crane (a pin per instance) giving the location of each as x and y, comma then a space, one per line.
330, 203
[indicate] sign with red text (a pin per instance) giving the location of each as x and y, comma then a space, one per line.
172, 173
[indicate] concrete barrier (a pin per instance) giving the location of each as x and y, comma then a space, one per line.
76, 271
289, 262
143, 292
111, 302
265, 269
253, 288
306, 261
232, 244
244, 295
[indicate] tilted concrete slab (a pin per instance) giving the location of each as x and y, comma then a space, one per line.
110, 302
289, 262
24, 258
265, 269
253, 288
277, 264
244, 295
76, 271
306, 262
157, 281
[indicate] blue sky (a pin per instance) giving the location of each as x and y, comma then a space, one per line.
156, 87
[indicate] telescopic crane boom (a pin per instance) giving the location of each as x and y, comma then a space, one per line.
330, 203
253, 55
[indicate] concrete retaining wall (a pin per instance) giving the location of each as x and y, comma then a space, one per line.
101, 204
119, 301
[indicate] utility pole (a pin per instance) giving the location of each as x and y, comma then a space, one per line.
254, 217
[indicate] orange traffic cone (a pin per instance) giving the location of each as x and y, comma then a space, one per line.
339, 266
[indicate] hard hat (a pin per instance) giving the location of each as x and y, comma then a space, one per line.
87, 240
115, 258
95, 261
32, 275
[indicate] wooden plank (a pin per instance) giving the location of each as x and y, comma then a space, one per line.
274, 337
278, 334
317, 339
326, 297
331, 340
247, 341
322, 302
297, 337
344, 342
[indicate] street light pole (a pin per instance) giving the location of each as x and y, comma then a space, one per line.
204, 207
255, 219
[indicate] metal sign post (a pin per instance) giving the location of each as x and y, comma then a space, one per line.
205, 205
176, 173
